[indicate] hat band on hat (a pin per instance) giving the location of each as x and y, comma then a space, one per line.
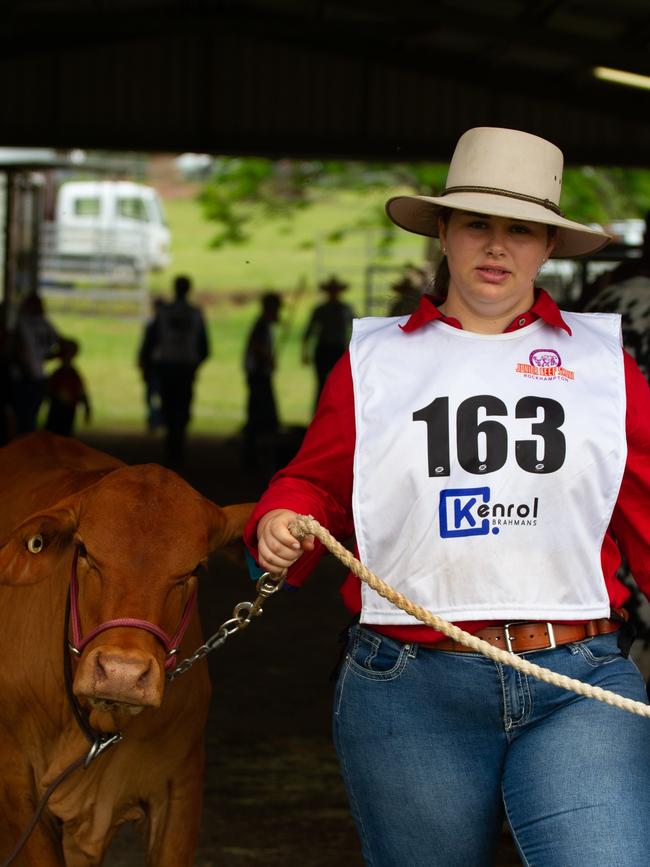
545, 203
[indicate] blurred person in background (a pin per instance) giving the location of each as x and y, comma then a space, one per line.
66, 391
177, 343
328, 331
35, 341
408, 296
259, 366
148, 364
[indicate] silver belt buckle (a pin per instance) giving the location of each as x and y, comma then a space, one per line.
508, 637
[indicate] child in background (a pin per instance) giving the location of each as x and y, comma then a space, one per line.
66, 390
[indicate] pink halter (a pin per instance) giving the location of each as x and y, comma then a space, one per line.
170, 644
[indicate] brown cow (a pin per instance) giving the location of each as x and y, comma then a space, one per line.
135, 535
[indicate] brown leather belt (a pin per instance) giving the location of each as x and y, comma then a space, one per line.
523, 637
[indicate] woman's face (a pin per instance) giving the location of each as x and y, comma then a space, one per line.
493, 262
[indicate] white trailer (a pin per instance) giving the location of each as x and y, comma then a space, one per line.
115, 230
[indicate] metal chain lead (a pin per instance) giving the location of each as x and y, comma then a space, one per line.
242, 616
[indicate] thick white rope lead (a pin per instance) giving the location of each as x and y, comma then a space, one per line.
304, 525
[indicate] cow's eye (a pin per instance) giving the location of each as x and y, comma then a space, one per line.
35, 544
82, 550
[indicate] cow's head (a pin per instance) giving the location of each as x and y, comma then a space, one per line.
141, 535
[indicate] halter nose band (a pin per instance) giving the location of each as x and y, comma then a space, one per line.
78, 642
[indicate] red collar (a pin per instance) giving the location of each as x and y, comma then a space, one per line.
543, 308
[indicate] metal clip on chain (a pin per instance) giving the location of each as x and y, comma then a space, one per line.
102, 742
242, 616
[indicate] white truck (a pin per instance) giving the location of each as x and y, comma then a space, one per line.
115, 230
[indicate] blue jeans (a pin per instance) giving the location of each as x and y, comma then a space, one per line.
436, 747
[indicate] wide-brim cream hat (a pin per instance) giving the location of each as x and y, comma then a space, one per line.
502, 173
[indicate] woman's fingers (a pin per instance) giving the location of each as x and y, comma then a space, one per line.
308, 543
277, 547
274, 556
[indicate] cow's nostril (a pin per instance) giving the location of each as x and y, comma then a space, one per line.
143, 679
100, 671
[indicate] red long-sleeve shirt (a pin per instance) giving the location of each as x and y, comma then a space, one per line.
318, 481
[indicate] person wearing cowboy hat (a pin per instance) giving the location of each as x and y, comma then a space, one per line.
490, 452
408, 296
327, 334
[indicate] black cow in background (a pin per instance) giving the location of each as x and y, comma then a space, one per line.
626, 290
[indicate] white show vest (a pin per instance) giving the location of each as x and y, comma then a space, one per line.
487, 467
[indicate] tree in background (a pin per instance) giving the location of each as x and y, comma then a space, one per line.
243, 188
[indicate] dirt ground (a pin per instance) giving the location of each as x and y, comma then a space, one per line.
273, 795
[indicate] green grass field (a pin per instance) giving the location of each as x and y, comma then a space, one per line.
280, 254
228, 283
107, 362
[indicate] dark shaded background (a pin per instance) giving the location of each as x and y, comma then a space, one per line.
342, 78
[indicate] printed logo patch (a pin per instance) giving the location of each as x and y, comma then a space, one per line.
545, 358
459, 512
544, 364
469, 512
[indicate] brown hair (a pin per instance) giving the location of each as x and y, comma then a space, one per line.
442, 275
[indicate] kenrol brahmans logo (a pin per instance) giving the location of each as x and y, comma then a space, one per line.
544, 364
470, 512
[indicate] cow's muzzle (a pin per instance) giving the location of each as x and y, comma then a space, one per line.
113, 679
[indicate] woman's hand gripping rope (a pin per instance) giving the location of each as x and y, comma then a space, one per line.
278, 548
304, 528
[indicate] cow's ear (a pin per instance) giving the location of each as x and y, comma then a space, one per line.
34, 549
227, 524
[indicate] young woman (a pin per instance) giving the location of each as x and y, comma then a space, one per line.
491, 454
